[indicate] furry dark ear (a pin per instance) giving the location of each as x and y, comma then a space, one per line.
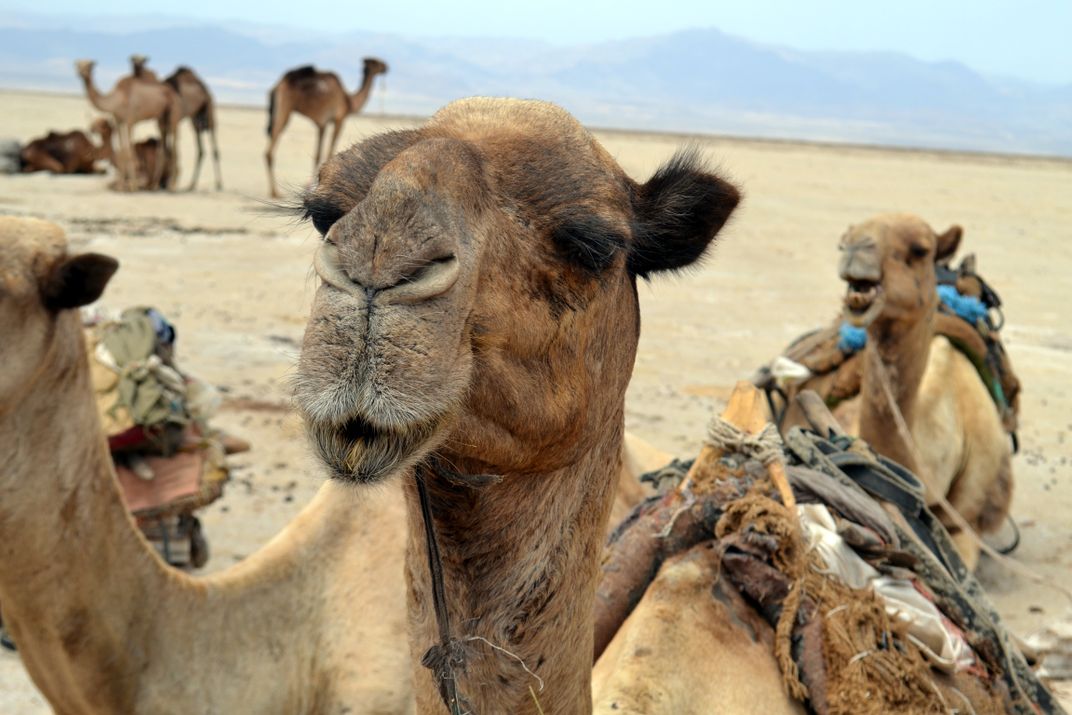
948, 242
678, 212
78, 280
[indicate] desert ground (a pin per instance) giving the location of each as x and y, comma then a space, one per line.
233, 273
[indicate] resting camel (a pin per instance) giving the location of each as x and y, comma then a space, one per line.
319, 96
135, 100
102, 624
476, 324
147, 156
67, 153
953, 436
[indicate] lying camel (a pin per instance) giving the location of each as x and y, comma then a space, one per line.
60, 153
147, 157
102, 624
476, 324
952, 434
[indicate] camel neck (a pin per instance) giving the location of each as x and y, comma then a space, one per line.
521, 564
75, 577
97, 99
901, 353
359, 98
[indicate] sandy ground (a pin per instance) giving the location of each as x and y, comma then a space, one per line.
234, 275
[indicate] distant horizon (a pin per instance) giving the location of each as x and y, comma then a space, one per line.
1026, 43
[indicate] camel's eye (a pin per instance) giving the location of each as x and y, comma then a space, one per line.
322, 213
918, 251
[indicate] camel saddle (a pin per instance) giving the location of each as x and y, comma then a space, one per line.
828, 360
872, 608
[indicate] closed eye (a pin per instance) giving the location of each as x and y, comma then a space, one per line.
917, 251
322, 213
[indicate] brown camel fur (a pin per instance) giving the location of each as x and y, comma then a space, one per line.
67, 153
135, 100
103, 626
956, 441
319, 96
199, 106
478, 315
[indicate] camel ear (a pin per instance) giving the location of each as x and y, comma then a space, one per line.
678, 212
948, 242
78, 280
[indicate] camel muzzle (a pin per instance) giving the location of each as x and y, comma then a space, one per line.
427, 279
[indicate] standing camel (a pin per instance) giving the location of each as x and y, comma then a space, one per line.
319, 96
476, 325
134, 100
952, 435
200, 107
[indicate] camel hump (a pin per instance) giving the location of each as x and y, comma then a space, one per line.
300, 74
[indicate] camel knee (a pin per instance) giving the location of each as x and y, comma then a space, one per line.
998, 499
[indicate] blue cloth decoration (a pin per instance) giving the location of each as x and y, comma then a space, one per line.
967, 307
852, 339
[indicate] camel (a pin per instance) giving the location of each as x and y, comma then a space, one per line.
952, 435
147, 156
476, 325
67, 153
102, 624
134, 100
199, 106
319, 96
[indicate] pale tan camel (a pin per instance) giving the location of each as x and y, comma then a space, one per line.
478, 316
319, 96
692, 646
955, 440
135, 100
313, 623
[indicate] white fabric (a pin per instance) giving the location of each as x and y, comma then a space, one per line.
788, 372
935, 636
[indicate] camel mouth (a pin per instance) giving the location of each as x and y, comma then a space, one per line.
863, 301
359, 452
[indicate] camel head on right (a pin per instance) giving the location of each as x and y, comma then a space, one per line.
478, 289
888, 263
40, 282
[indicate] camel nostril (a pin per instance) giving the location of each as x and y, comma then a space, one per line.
428, 280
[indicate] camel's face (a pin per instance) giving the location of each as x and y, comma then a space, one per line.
888, 264
84, 68
483, 291
374, 66
38, 281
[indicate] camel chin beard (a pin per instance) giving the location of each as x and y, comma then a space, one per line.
358, 452
863, 303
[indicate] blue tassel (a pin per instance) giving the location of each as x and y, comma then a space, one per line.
852, 339
967, 307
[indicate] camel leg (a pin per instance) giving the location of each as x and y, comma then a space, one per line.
215, 153
334, 139
128, 170
173, 151
277, 130
319, 147
200, 156
162, 165
37, 159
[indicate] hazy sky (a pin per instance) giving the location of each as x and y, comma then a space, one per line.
1022, 38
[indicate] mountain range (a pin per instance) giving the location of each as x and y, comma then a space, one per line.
699, 80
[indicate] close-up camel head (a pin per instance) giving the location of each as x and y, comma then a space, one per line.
888, 263
479, 279
39, 282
